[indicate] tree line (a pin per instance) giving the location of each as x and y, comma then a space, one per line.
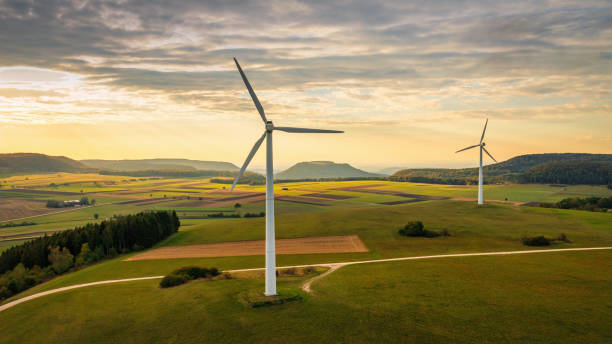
570, 172
580, 203
170, 173
32, 262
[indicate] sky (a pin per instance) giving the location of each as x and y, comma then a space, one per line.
410, 82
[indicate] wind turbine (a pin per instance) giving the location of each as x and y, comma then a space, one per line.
270, 242
482, 147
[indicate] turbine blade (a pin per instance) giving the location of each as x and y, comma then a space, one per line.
483, 130
489, 154
248, 159
466, 148
305, 130
251, 92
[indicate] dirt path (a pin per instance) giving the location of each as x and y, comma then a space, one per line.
306, 286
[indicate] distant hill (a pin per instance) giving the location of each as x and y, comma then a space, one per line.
38, 163
160, 164
563, 168
322, 169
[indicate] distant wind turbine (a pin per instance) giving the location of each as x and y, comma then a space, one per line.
270, 242
482, 147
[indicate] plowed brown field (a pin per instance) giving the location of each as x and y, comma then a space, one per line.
327, 244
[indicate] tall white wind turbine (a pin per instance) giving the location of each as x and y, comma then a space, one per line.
482, 148
270, 242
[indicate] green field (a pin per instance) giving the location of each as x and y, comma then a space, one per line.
554, 297
546, 297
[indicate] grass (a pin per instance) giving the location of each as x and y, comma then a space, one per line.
560, 297
539, 298
495, 227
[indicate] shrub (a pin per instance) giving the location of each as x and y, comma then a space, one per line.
187, 273
309, 270
172, 280
416, 229
563, 237
536, 241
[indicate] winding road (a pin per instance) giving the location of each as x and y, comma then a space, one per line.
306, 286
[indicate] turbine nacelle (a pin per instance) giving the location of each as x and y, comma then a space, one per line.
481, 144
269, 126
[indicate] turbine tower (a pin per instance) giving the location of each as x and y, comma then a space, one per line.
270, 242
482, 147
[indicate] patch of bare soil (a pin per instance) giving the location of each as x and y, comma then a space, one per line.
15, 208
328, 244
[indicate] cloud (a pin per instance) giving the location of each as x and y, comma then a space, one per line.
405, 60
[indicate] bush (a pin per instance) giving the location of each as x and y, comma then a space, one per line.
416, 229
172, 280
563, 237
536, 241
186, 274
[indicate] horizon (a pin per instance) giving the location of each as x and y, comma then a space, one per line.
409, 84
368, 168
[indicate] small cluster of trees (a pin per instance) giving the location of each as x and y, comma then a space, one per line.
235, 215
34, 261
588, 203
416, 229
11, 224
62, 204
541, 240
247, 178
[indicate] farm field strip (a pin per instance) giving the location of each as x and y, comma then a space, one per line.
326, 244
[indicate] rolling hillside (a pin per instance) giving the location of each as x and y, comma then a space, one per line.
322, 169
563, 168
38, 163
160, 164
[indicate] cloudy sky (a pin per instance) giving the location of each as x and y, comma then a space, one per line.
409, 81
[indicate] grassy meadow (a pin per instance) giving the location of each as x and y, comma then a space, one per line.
465, 300
560, 297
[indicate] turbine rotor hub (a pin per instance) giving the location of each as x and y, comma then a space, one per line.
484, 144
269, 126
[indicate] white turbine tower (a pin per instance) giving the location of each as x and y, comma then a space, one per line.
482, 147
270, 242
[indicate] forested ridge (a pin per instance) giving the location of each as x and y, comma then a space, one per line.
566, 168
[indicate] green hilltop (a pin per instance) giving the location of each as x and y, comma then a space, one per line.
322, 169
38, 163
